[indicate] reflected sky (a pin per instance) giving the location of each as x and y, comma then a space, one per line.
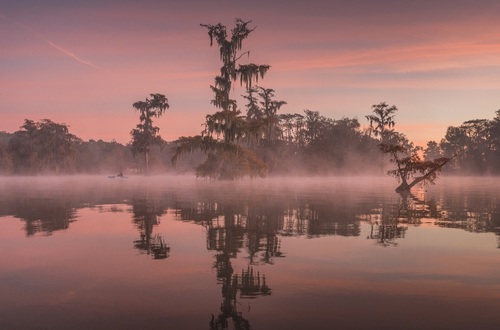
265, 254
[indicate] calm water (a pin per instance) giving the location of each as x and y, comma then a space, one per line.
181, 253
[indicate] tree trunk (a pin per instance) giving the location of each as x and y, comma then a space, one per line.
405, 187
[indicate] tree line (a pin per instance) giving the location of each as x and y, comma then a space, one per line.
307, 143
47, 147
256, 140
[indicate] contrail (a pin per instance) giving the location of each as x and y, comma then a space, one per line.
70, 54
53, 45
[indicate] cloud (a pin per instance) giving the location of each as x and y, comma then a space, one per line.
403, 59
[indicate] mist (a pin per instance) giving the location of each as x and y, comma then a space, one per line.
310, 145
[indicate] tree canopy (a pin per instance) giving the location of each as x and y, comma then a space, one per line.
221, 140
145, 134
410, 164
43, 146
304, 143
382, 120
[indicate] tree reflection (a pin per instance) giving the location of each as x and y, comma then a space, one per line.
315, 219
263, 221
225, 234
260, 223
145, 216
262, 227
389, 222
234, 226
231, 227
249, 284
475, 214
255, 226
384, 229
42, 215
260, 220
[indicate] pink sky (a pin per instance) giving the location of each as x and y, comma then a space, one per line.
85, 63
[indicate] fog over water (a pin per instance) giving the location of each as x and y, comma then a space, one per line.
178, 252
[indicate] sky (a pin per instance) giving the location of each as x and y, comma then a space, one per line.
84, 63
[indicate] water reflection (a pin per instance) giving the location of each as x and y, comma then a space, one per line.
230, 228
145, 217
252, 224
257, 220
41, 215
389, 222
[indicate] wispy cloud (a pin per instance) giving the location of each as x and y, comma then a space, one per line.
70, 54
52, 44
406, 59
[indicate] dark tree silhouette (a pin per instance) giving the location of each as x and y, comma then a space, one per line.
103, 157
266, 111
146, 215
145, 134
382, 120
43, 146
410, 164
475, 143
226, 159
432, 151
495, 142
5, 159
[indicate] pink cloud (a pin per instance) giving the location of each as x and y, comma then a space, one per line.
413, 58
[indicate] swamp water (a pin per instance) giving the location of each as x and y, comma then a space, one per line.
180, 253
